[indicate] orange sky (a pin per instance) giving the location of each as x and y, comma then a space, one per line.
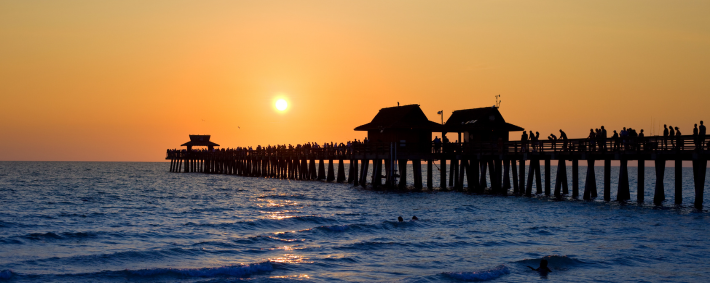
124, 80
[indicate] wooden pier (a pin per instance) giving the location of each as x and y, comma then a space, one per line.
477, 163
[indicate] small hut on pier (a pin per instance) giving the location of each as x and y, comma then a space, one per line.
480, 125
407, 125
200, 140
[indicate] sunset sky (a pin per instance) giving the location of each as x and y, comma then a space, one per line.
125, 80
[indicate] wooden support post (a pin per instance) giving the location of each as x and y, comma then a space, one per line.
678, 181
516, 187
462, 171
305, 175
417, 168
483, 184
538, 177
590, 184
575, 178
640, 180
498, 165
531, 175
354, 165
312, 168
341, 170
559, 178
547, 176
331, 171
429, 174
622, 193
565, 187
186, 168
521, 186
388, 175
472, 175
321, 168
452, 172
363, 174
659, 195
376, 173
607, 180
402, 174
699, 171
506, 175
442, 174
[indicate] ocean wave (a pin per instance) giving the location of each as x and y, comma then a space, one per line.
267, 223
243, 270
58, 236
554, 261
480, 275
5, 274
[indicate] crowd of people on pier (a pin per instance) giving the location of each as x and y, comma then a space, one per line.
627, 139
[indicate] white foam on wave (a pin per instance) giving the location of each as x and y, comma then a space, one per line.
5, 274
480, 275
231, 270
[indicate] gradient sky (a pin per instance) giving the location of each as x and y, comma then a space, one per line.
125, 80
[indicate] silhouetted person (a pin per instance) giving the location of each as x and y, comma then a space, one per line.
603, 138
671, 136
437, 144
696, 139
642, 140
524, 141
553, 138
415, 217
533, 141
592, 140
616, 140
563, 137
679, 139
400, 219
543, 269
702, 135
665, 136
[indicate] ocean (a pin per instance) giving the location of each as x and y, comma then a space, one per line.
119, 222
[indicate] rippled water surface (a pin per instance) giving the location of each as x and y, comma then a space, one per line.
88, 222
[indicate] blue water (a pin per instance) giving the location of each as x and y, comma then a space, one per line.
88, 222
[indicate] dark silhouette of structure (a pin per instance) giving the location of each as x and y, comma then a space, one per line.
200, 140
480, 125
472, 163
407, 125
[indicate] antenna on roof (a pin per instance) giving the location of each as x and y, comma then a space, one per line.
498, 101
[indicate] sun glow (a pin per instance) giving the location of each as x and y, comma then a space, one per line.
281, 104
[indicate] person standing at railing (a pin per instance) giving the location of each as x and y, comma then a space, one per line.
641, 140
563, 137
533, 142
679, 139
702, 135
603, 138
615, 139
592, 140
696, 139
665, 137
671, 136
553, 139
524, 142
437, 144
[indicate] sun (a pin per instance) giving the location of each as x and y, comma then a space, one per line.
281, 104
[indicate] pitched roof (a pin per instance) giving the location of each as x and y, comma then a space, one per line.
199, 140
401, 117
486, 118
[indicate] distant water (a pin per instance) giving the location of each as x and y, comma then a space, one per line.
118, 222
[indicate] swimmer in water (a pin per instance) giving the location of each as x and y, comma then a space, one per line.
415, 217
400, 219
543, 269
